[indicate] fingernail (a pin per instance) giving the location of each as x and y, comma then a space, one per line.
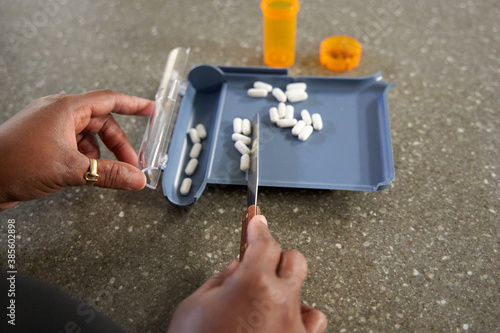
137, 181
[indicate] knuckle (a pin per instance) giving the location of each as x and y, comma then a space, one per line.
267, 244
258, 283
298, 258
106, 92
112, 175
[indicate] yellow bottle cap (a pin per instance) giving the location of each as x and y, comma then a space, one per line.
340, 53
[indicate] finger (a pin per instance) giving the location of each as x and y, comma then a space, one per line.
219, 278
293, 269
119, 175
263, 252
102, 102
112, 174
113, 137
7, 205
88, 145
314, 320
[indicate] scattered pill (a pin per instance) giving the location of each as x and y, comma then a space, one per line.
237, 125
186, 186
286, 122
191, 166
289, 110
296, 95
279, 95
257, 93
242, 148
240, 137
296, 86
246, 127
299, 126
273, 114
202, 132
195, 150
245, 162
263, 85
317, 121
305, 133
306, 117
281, 110
193, 134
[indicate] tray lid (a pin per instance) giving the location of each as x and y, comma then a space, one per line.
153, 154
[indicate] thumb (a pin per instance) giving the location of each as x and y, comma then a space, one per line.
119, 175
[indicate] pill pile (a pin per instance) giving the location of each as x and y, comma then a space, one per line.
302, 128
284, 115
196, 134
241, 129
295, 92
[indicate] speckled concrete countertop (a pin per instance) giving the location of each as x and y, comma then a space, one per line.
420, 256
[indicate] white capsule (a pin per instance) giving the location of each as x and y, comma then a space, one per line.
237, 125
273, 115
279, 95
317, 121
305, 133
257, 93
263, 85
240, 137
246, 127
286, 122
186, 186
281, 110
289, 111
195, 150
306, 117
299, 126
202, 132
193, 134
242, 148
296, 95
245, 162
296, 86
191, 166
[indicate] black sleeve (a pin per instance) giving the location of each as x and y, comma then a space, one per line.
35, 306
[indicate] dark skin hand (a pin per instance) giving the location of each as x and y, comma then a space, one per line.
50, 141
46, 147
259, 294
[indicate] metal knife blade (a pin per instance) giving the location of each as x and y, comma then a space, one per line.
252, 186
253, 172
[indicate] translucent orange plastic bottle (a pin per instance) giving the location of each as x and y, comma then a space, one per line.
280, 22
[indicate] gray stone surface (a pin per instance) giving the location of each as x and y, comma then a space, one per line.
421, 256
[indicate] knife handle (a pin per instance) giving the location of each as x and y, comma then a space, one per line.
247, 216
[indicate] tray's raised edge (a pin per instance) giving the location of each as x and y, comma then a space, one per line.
388, 140
253, 70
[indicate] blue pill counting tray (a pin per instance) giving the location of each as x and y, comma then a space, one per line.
353, 151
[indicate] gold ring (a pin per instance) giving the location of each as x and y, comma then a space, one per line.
91, 176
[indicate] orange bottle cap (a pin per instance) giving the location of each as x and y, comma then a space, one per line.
340, 53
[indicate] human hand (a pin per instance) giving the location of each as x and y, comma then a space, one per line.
258, 294
47, 146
